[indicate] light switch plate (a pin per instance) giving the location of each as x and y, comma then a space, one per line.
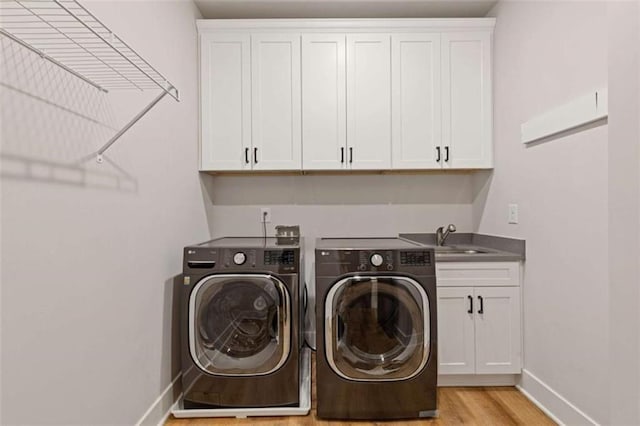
513, 213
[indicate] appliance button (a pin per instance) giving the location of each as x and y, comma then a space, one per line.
389, 267
376, 259
239, 258
362, 267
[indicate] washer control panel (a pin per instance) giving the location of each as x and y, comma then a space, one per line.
415, 258
375, 260
243, 259
239, 258
279, 257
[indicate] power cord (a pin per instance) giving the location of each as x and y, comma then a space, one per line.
264, 225
305, 304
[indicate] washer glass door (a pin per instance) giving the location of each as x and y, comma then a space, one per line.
377, 328
239, 324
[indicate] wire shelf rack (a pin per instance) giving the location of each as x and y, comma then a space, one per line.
68, 35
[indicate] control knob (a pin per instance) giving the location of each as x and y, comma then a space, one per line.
376, 259
239, 258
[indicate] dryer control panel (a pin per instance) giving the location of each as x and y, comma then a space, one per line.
419, 261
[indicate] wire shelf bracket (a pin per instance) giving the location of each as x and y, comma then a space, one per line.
66, 34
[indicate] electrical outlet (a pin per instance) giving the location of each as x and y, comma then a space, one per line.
265, 215
513, 213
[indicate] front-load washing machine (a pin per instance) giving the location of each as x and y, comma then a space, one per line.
376, 326
241, 323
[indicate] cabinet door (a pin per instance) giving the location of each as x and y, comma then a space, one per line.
324, 129
369, 101
498, 334
275, 89
466, 100
415, 63
225, 101
456, 341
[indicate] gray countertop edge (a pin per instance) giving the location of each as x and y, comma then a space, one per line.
502, 249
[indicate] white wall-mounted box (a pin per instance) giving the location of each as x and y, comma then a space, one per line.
575, 113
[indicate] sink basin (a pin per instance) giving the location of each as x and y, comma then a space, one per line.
444, 250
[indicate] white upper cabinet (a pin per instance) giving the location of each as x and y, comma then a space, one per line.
466, 100
225, 77
415, 60
275, 101
387, 94
324, 127
369, 101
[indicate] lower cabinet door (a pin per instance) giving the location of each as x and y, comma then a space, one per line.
498, 330
456, 337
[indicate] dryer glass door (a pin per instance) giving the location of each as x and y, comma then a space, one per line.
239, 324
377, 328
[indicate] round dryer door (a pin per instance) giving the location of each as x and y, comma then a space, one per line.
239, 324
377, 328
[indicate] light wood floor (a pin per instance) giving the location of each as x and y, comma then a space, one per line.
456, 405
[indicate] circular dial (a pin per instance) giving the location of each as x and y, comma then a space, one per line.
376, 259
239, 258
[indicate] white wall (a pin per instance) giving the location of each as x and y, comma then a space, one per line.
546, 53
90, 252
624, 210
338, 205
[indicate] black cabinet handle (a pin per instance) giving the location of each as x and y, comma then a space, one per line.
255, 155
437, 154
470, 311
481, 310
351, 155
246, 155
342, 155
446, 154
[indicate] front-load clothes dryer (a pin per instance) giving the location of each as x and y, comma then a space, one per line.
376, 326
241, 327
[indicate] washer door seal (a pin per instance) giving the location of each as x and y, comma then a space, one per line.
239, 324
377, 328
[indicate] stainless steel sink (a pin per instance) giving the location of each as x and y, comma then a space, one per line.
445, 250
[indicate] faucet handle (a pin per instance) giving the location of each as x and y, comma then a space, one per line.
451, 228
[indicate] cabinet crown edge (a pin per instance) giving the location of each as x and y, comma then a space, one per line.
348, 24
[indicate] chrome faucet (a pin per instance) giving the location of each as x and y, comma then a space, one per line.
441, 234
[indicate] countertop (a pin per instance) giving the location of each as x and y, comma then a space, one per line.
491, 248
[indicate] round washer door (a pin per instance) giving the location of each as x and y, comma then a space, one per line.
239, 324
377, 328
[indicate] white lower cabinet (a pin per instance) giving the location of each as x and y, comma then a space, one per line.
498, 330
480, 326
456, 331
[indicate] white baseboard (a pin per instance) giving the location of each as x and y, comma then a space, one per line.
551, 402
445, 380
160, 409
